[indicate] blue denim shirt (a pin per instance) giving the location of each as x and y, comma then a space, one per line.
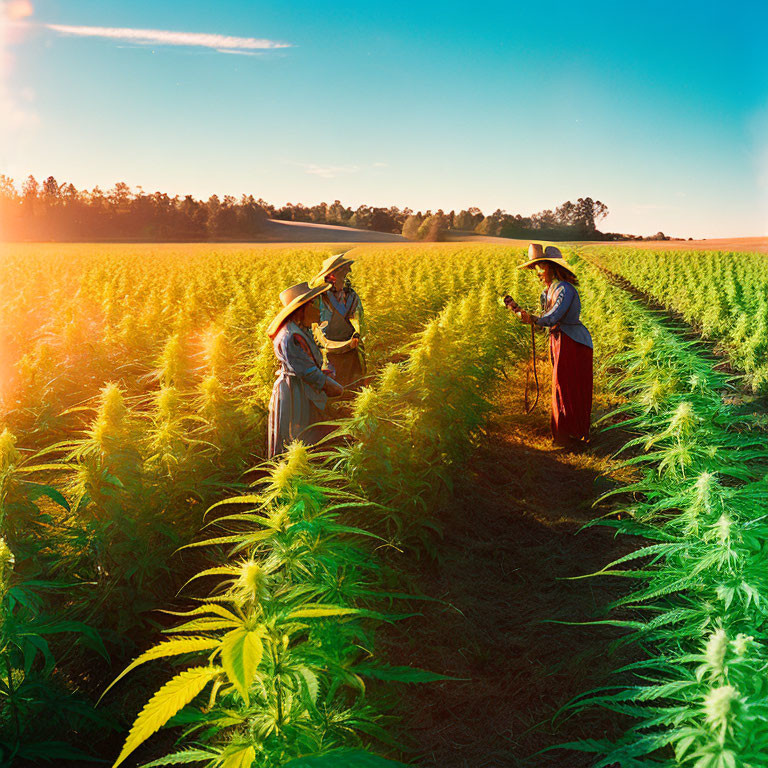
562, 310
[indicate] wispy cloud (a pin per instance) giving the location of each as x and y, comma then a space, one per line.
222, 43
234, 51
328, 171
333, 171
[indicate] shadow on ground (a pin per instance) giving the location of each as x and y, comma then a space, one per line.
509, 541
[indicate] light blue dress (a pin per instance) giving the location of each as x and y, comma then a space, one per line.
297, 395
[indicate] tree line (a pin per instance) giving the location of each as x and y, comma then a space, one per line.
50, 210
53, 211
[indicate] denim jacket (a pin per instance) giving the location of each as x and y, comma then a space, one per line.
561, 308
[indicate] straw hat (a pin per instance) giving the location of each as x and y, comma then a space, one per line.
550, 253
331, 264
292, 298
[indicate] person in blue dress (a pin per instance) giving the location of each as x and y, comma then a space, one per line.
301, 389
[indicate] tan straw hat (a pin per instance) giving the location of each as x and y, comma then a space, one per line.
292, 298
331, 264
536, 255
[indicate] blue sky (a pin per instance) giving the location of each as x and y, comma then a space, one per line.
660, 111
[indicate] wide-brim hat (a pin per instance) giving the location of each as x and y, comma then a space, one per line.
331, 264
537, 254
292, 298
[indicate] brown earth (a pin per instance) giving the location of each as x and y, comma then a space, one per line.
301, 232
509, 545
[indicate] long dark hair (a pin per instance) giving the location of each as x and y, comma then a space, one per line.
347, 283
561, 273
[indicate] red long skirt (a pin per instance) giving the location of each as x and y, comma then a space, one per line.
571, 387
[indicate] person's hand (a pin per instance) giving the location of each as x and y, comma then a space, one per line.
354, 343
525, 317
332, 388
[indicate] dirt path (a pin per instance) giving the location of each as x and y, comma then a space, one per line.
509, 541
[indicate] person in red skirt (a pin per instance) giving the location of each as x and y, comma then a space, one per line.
570, 344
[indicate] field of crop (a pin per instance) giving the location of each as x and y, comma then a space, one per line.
248, 612
722, 295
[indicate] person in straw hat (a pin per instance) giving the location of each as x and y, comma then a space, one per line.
301, 389
341, 316
570, 344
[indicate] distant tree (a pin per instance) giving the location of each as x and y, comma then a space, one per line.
7, 188
586, 213
50, 190
381, 220
251, 217
213, 204
361, 218
411, 227
120, 195
268, 208
338, 214
545, 220
30, 189
565, 214
223, 223
54, 210
398, 217
490, 225
319, 213
464, 221
433, 228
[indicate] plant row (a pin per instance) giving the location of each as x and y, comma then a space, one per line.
696, 612
723, 295
285, 640
97, 493
77, 317
90, 523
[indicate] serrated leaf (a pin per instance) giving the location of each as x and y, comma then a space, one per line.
241, 652
231, 539
249, 499
219, 570
203, 624
241, 758
173, 647
311, 684
174, 695
319, 611
184, 757
210, 608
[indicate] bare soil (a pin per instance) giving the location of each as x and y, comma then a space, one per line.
510, 542
301, 232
